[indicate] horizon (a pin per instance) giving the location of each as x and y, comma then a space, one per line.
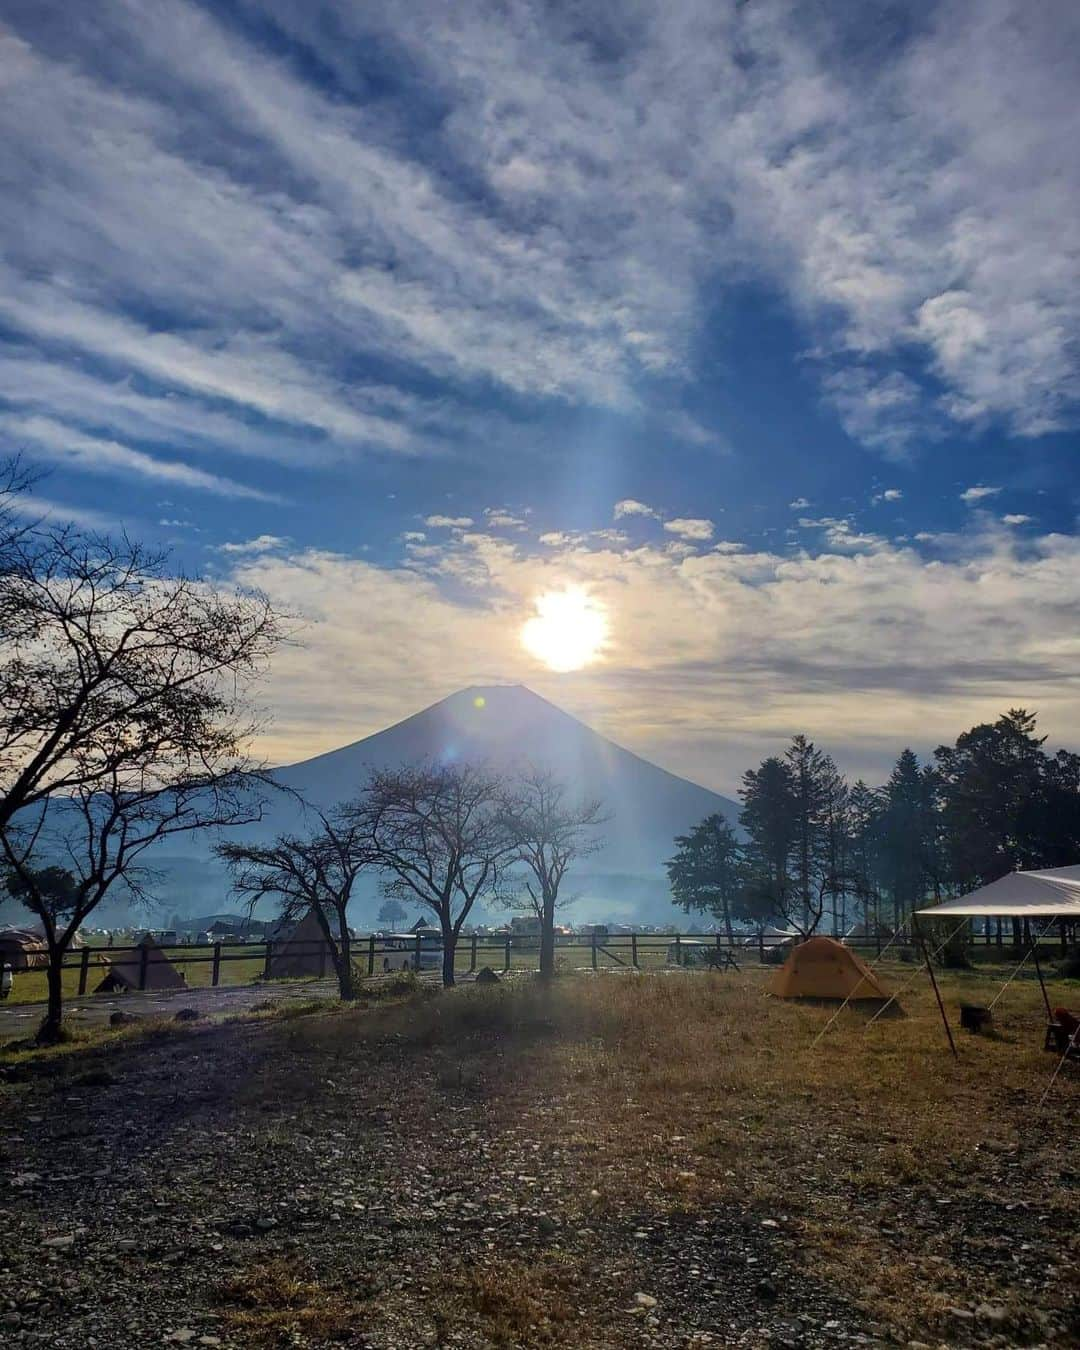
651, 361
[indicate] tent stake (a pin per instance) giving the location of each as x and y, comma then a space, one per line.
933, 981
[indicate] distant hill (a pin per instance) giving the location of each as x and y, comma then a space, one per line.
507, 726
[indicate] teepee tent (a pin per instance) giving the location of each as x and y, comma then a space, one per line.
822, 968
125, 973
305, 952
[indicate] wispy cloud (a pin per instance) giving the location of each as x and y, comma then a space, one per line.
65, 444
978, 493
213, 219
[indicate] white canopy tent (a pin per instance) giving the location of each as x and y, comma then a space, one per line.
1048, 893
1051, 892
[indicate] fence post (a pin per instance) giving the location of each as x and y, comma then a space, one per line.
678, 949
761, 945
371, 954
472, 955
877, 939
416, 960
144, 957
506, 954
633, 949
594, 949
215, 970
84, 969
1064, 940
268, 958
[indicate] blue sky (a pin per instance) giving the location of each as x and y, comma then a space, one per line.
289, 285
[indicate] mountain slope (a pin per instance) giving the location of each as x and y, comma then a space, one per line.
509, 725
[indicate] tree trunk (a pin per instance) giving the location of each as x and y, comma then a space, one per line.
346, 981
50, 1030
727, 923
449, 951
547, 938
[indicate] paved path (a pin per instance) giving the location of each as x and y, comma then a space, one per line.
20, 1019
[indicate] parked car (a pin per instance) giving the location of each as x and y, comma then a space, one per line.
399, 951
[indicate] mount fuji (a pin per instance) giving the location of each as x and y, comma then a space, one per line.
505, 726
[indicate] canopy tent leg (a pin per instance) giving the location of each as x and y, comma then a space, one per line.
1038, 971
933, 981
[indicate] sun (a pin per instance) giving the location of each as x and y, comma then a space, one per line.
568, 631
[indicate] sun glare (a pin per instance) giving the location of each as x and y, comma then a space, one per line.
568, 630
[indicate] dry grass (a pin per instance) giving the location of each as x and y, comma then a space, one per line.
682, 1090
275, 1303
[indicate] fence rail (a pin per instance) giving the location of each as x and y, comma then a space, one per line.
374, 953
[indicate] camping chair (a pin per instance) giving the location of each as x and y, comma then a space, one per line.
1063, 1034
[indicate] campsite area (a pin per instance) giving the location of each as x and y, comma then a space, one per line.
658, 1160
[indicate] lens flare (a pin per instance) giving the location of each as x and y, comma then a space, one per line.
568, 631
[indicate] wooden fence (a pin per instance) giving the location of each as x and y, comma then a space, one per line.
373, 954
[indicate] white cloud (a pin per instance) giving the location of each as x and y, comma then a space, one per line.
264, 543
64, 444
500, 519
887, 495
1016, 518
35, 507
690, 528
294, 231
448, 522
629, 507
978, 493
799, 504
413, 537
865, 649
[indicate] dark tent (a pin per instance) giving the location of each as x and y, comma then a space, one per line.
304, 953
125, 973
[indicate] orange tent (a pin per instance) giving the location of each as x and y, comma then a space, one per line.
822, 968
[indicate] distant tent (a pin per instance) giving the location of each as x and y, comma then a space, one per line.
822, 968
304, 952
23, 949
125, 971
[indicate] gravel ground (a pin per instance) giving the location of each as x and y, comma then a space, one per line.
18, 1020
165, 1193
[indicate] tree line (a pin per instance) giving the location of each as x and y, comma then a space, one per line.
814, 849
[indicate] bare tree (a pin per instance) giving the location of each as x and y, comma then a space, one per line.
438, 833
315, 874
105, 658
548, 831
96, 837
124, 715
